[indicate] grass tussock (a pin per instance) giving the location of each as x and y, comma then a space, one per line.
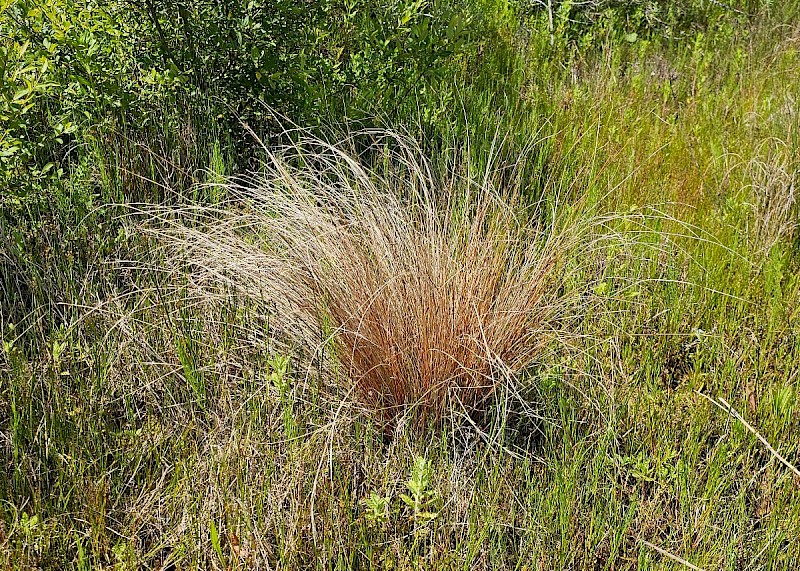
431, 290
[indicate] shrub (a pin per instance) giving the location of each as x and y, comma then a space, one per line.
70, 69
654, 19
432, 290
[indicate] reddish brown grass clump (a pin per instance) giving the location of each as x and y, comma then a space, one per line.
431, 290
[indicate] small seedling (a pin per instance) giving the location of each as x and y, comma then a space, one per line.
279, 372
58, 350
32, 531
279, 377
377, 507
124, 555
421, 498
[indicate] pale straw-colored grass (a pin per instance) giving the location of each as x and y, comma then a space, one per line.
773, 197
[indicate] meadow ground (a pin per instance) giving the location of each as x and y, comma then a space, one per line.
153, 417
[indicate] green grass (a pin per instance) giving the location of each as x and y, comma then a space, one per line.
144, 426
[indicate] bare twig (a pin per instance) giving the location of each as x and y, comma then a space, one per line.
723, 404
666, 553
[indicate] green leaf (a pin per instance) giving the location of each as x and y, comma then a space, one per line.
427, 516
21, 93
215, 543
601, 288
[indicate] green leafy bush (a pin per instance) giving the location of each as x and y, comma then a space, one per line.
581, 23
71, 68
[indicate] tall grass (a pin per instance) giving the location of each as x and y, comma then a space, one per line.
432, 289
